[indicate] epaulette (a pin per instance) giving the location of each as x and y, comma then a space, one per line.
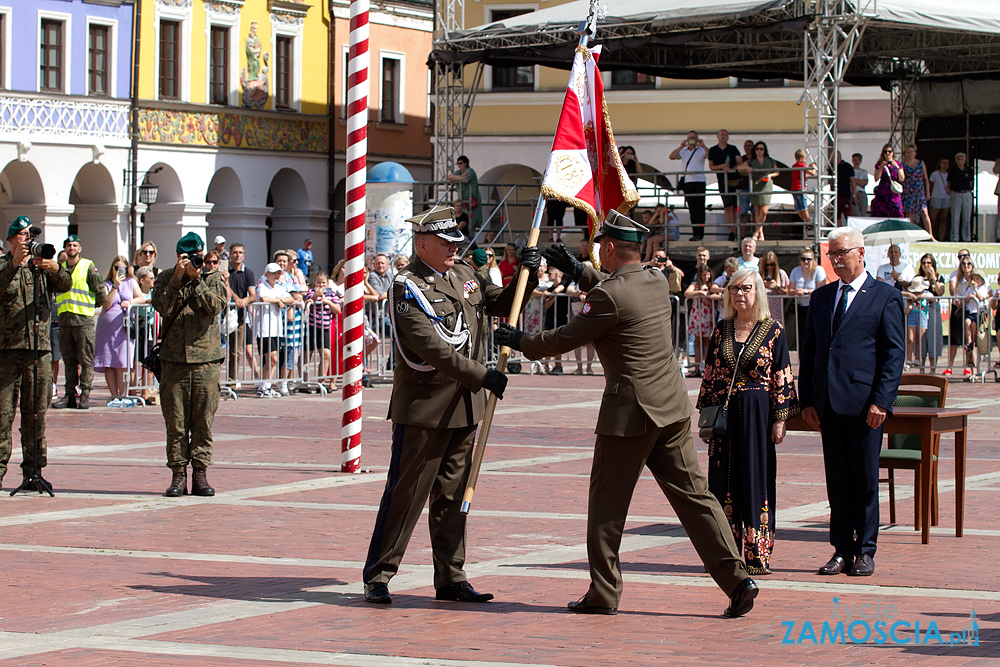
402, 276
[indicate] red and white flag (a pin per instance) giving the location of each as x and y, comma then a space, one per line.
584, 168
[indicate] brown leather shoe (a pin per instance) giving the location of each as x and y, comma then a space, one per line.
178, 484
585, 606
199, 483
864, 566
837, 564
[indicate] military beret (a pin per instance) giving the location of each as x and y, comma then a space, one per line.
72, 238
479, 257
189, 243
621, 227
439, 221
20, 222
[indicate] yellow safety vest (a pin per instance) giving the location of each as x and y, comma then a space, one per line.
79, 299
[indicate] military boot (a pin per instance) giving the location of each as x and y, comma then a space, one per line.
178, 484
199, 483
83, 403
67, 401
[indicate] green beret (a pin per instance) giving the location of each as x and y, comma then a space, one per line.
190, 243
479, 257
72, 238
20, 222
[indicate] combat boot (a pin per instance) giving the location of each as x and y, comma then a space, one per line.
67, 401
83, 403
199, 483
178, 484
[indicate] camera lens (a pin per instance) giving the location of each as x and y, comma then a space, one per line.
197, 261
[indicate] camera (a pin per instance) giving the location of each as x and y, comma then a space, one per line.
197, 261
36, 249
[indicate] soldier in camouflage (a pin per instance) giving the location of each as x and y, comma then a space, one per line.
17, 337
190, 355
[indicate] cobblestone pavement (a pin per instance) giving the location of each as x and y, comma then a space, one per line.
268, 571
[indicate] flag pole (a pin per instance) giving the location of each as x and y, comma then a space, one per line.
587, 29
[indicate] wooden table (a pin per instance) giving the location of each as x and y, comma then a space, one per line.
927, 422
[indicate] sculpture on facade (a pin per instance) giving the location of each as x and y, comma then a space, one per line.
253, 77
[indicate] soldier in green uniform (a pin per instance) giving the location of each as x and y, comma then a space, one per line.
190, 355
17, 337
645, 415
76, 307
438, 306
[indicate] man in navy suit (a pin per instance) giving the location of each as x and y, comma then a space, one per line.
850, 363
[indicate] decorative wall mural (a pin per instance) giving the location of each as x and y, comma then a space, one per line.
253, 77
233, 130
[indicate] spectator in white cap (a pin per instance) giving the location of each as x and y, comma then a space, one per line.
269, 328
220, 247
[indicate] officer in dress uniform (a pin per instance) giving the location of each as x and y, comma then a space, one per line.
17, 345
438, 305
645, 415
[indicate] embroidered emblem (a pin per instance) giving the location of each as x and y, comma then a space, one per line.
470, 287
402, 307
586, 308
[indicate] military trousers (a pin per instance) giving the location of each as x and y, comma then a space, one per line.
15, 381
670, 454
77, 347
426, 463
189, 397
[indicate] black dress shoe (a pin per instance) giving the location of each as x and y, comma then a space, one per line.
864, 566
741, 601
377, 593
585, 606
461, 591
837, 565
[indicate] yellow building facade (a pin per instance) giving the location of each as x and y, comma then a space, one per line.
234, 122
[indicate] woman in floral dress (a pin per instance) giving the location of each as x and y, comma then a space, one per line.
701, 314
741, 465
887, 203
916, 190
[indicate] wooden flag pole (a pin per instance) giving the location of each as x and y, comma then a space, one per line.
586, 29
491, 403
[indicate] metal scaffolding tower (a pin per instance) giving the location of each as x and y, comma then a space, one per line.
831, 40
452, 99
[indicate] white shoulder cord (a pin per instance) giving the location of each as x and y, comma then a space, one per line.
456, 338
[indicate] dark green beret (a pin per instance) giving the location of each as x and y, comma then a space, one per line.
190, 243
72, 238
20, 222
479, 257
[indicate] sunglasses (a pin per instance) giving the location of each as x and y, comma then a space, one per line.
148, 252
211, 261
805, 259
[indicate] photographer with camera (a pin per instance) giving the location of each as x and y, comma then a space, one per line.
18, 268
189, 298
77, 326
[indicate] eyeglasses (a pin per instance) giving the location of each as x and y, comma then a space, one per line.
840, 254
489, 254
148, 252
769, 264
805, 259
740, 289
759, 148
966, 263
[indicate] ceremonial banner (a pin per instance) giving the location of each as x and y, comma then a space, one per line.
584, 167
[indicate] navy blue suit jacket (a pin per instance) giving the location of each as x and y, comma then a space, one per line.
859, 364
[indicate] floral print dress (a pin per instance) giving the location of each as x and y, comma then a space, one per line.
914, 195
741, 466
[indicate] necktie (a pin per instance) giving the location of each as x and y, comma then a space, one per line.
841, 307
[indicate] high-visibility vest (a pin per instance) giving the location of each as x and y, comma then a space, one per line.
79, 299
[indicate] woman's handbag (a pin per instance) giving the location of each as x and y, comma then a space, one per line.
713, 420
229, 323
896, 186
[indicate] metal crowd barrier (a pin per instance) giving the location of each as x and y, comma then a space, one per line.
143, 324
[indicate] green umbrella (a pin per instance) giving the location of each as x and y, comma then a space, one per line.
894, 230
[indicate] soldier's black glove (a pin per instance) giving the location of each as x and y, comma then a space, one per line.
531, 259
558, 256
496, 382
509, 336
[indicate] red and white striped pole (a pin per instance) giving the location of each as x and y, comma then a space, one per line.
354, 244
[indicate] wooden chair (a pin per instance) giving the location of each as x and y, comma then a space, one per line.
903, 451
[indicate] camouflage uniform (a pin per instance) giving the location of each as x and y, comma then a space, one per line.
17, 298
76, 338
190, 356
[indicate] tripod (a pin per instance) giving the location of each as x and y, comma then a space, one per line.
35, 479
